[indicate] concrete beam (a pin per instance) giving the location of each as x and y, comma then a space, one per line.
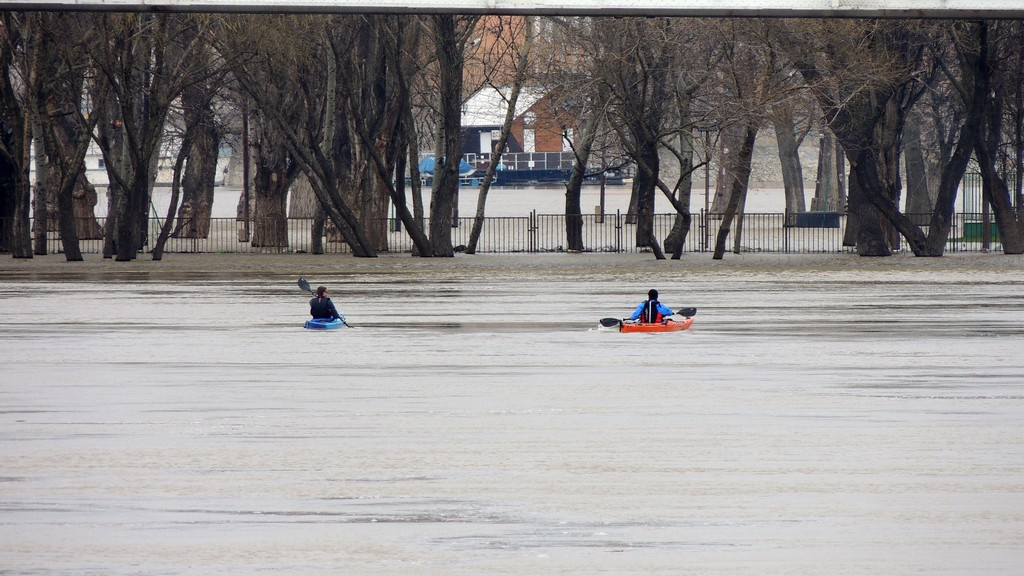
722, 8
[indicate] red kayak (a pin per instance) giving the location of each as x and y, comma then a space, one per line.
669, 325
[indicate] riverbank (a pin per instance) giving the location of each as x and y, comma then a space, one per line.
55, 266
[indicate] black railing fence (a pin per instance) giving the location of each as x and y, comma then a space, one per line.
535, 233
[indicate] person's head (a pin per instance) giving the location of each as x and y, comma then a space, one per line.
321, 291
652, 295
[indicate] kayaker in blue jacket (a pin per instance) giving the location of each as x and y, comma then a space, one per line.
651, 310
320, 306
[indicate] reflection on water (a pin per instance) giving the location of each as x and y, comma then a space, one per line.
480, 424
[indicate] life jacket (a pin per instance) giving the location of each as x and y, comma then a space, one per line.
320, 307
650, 313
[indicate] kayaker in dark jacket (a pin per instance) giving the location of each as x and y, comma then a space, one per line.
320, 306
651, 310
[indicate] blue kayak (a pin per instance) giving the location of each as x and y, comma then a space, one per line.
324, 323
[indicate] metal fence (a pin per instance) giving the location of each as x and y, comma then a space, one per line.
536, 233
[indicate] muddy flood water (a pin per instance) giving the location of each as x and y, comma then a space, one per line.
841, 417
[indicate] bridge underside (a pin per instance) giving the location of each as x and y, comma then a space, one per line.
719, 8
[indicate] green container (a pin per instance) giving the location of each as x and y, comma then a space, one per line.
974, 230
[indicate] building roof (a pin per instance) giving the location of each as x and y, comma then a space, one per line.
488, 106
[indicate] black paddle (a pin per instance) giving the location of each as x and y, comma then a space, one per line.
687, 312
613, 322
305, 286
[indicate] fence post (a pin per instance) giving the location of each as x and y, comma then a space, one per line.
532, 231
954, 232
703, 227
618, 231
786, 230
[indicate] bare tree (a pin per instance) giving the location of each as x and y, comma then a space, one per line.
450, 33
519, 78
989, 137
147, 61
640, 83
698, 64
567, 66
749, 66
378, 111
829, 191
654, 70
866, 85
289, 78
756, 78
792, 124
65, 129
15, 132
200, 168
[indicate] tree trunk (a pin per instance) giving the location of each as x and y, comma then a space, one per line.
841, 176
449, 43
826, 187
270, 222
994, 188
874, 164
373, 213
997, 194
792, 171
401, 166
723, 182
131, 233
868, 119
919, 197
573, 188
421, 245
495, 160
943, 212
85, 199
634, 201
415, 178
506, 127
10, 136
21, 233
8, 182
956, 159
67, 222
109, 225
8, 190
165, 228
646, 182
317, 231
987, 142
863, 222
676, 239
302, 201
200, 175
739, 179
45, 202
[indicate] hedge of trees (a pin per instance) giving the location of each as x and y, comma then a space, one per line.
344, 104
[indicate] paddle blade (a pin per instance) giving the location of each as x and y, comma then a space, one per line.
687, 312
611, 322
304, 285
